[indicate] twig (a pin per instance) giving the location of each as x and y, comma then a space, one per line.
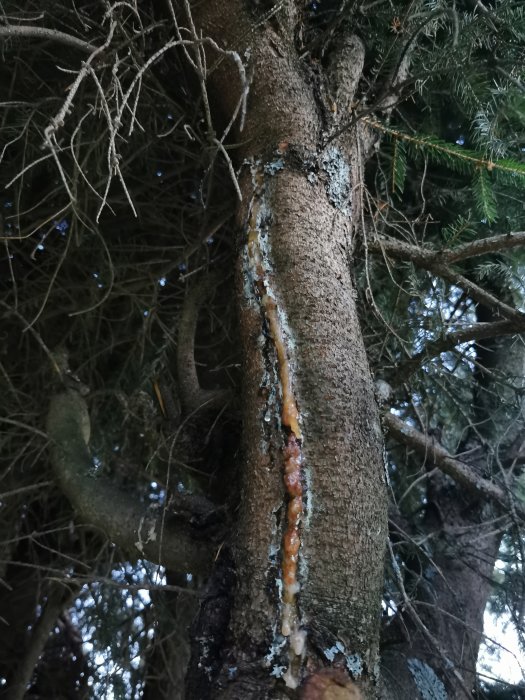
15, 30
421, 625
60, 117
25, 426
36, 336
231, 169
25, 489
109, 289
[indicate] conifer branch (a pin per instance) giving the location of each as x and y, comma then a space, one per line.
482, 246
431, 260
436, 455
471, 333
456, 157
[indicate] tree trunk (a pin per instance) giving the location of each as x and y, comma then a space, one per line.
312, 467
436, 657
462, 532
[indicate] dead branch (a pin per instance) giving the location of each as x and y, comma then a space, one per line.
58, 599
472, 332
431, 260
16, 30
192, 395
434, 643
491, 244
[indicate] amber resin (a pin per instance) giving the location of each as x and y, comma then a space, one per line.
292, 435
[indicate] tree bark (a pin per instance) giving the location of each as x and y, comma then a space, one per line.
139, 529
298, 318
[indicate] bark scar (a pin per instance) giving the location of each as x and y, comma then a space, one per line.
291, 433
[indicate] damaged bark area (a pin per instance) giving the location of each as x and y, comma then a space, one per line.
342, 526
258, 269
308, 552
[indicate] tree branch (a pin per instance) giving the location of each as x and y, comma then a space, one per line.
192, 395
139, 529
16, 30
484, 245
474, 331
438, 456
431, 260
58, 599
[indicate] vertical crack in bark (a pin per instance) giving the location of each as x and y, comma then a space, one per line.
291, 433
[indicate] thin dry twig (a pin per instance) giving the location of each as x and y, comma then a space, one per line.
11, 31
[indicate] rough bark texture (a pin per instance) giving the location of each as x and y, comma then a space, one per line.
342, 433
304, 196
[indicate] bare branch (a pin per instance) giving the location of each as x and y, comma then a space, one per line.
438, 456
423, 257
431, 260
58, 599
193, 396
472, 332
25, 489
129, 523
484, 245
59, 120
435, 644
15, 30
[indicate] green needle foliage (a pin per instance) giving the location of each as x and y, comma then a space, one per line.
484, 172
